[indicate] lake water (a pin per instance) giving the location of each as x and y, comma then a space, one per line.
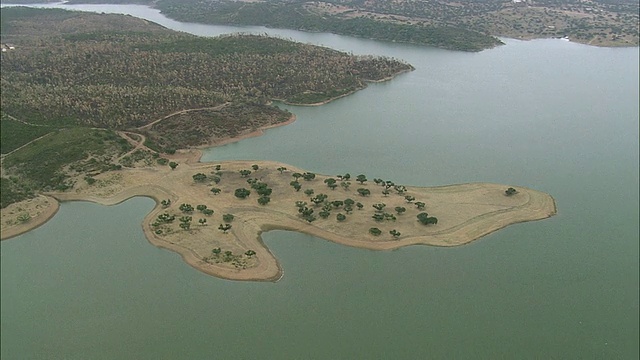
547, 114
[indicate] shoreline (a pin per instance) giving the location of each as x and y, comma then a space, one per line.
34, 223
490, 212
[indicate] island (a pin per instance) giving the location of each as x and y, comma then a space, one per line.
103, 108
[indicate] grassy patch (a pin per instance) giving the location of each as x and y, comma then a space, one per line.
14, 134
49, 163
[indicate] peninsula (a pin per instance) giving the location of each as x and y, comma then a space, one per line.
213, 214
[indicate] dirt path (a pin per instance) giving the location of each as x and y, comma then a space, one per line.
149, 125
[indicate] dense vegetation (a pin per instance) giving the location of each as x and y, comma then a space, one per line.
451, 24
302, 16
72, 69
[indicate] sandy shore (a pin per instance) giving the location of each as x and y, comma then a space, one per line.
39, 209
465, 213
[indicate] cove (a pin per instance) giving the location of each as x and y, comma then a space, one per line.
550, 115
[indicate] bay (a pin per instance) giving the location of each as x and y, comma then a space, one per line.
546, 114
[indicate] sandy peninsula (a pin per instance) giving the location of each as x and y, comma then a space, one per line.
465, 212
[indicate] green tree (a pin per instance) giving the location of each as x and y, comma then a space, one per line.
186, 208
375, 231
227, 218
201, 207
216, 252
324, 214
379, 207
308, 176
215, 191
409, 198
202, 221
173, 165
207, 212
420, 205
345, 185
250, 253
166, 203
395, 233
309, 192
255, 167
364, 192
510, 191
361, 179
296, 175
359, 205
330, 182
281, 169
264, 200
217, 167
245, 173
216, 179
400, 210
224, 228
242, 193
341, 217
199, 177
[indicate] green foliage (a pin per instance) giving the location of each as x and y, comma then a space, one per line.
361, 179
200, 177
510, 191
264, 200
395, 233
207, 212
420, 205
341, 217
12, 190
425, 219
245, 173
186, 208
14, 134
375, 231
242, 193
40, 165
225, 227
173, 165
215, 191
227, 218
364, 192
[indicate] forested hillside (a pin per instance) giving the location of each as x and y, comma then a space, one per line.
71, 69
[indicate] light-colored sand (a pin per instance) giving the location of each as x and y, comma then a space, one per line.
39, 210
465, 212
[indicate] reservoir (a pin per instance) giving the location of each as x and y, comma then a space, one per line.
551, 115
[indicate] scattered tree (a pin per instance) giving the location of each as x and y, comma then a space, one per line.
215, 191
309, 192
224, 227
400, 210
202, 221
420, 205
245, 173
345, 185
324, 214
409, 198
264, 200
375, 231
395, 233
199, 177
510, 191
308, 176
207, 212
379, 207
255, 167
227, 218
201, 207
165, 203
242, 193
341, 217
250, 253
281, 169
361, 179
359, 205
173, 165
364, 192
186, 208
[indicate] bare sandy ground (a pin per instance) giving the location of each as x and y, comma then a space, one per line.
465, 212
